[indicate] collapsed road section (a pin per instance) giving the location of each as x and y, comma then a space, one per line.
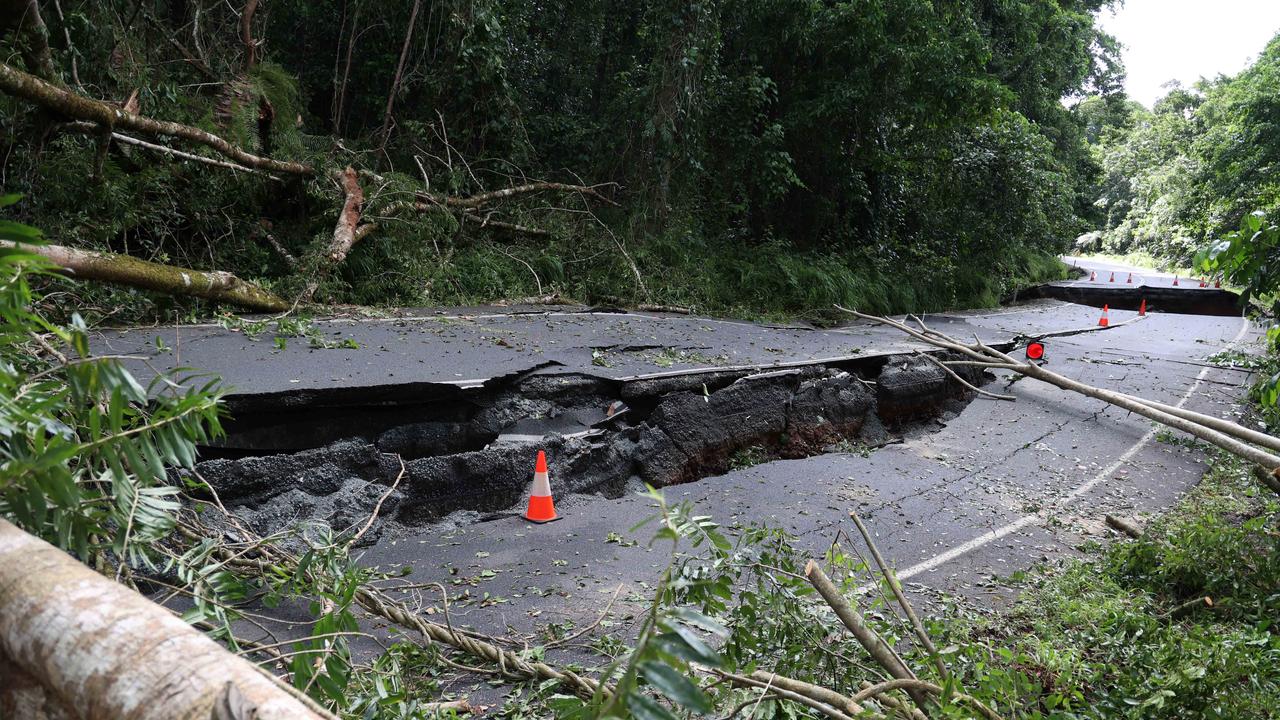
471, 450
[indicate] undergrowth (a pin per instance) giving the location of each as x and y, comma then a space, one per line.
1101, 636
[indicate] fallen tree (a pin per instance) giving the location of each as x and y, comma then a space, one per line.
1235, 439
75, 640
171, 279
65, 103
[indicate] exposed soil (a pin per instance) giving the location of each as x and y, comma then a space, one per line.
473, 451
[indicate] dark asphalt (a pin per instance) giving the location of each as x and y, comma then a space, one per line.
996, 489
975, 497
466, 350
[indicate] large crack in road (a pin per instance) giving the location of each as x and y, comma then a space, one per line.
468, 457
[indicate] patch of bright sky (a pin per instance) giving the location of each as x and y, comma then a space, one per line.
1185, 40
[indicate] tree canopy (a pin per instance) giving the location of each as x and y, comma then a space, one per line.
764, 156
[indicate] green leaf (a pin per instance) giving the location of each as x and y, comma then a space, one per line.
643, 707
676, 687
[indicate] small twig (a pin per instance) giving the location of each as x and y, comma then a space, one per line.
1124, 526
377, 508
962, 381
593, 625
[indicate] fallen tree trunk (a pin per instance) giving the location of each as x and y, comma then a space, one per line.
170, 279
345, 232
72, 105
984, 356
104, 651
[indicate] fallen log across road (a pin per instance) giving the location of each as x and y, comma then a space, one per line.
74, 641
1229, 436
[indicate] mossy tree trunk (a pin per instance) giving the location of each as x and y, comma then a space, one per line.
170, 279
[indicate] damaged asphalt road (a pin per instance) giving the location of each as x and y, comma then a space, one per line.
989, 491
959, 490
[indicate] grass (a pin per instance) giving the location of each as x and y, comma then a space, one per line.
1094, 637
767, 281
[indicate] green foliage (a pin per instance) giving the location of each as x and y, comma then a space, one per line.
84, 448
1189, 171
1095, 635
891, 154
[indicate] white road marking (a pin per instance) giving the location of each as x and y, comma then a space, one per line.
1035, 518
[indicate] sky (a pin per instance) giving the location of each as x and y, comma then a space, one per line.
1185, 40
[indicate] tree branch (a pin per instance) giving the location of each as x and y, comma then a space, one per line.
72, 105
484, 198
170, 279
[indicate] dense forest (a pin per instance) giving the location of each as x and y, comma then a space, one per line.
1189, 170
735, 156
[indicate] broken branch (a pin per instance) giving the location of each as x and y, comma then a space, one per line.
1124, 526
345, 234
925, 641
870, 640
88, 127
72, 105
127, 270
484, 198
985, 355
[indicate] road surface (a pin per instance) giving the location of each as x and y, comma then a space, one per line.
974, 497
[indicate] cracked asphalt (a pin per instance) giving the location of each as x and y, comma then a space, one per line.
956, 506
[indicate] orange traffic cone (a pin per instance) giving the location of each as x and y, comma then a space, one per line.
1093, 276
1175, 281
541, 508
1113, 277
1102, 321
1142, 309
1130, 280
1203, 283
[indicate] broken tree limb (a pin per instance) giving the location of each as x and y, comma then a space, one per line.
88, 127
484, 198
870, 640
1267, 478
1209, 421
486, 222
72, 105
985, 355
345, 231
879, 689
896, 587
1189, 607
835, 712
966, 383
1124, 526
170, 279
816, 692
106, 651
